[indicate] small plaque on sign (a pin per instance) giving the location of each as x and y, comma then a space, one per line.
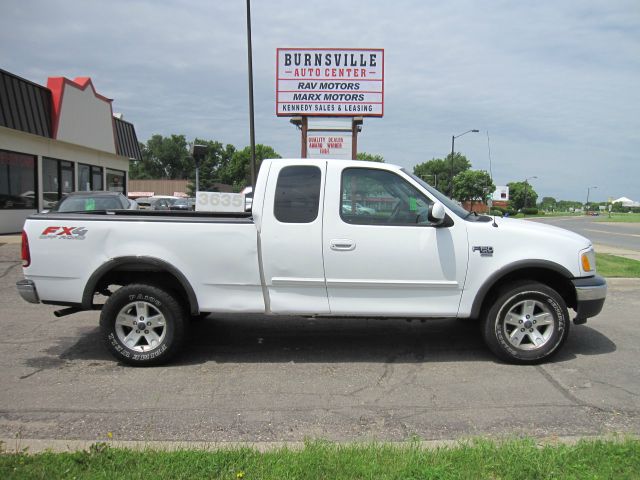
219, 202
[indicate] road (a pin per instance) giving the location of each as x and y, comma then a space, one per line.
262, 379
618, 235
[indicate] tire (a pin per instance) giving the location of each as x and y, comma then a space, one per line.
123, 320
527, 323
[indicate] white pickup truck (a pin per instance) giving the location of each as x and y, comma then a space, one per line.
325, 238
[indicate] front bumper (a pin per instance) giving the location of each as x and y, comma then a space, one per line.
590, 295
27, 290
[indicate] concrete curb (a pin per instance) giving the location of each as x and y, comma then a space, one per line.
34, 446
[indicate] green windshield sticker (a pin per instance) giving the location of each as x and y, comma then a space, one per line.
413, 206
90, 204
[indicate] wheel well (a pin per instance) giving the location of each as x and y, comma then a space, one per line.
154, 272
551, 278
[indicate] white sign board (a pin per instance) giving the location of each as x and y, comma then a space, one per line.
329, 145
501, 193
219, 202
330, 81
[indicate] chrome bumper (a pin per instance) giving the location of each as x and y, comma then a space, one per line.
27, 290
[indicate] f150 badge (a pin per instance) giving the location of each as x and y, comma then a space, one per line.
484, 251
64, 233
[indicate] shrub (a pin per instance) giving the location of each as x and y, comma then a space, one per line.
530, 211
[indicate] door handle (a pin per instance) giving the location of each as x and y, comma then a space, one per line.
342, 244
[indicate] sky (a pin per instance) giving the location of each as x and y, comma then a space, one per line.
553, 86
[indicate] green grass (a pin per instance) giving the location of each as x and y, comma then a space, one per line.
518, 459
615, 266
620, 218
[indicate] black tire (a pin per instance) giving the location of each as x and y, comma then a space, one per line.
527, 323
164, 326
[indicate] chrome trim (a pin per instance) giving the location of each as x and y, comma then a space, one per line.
27, 290
591, 293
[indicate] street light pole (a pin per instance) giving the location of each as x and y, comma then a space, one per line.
586, 205
453, 142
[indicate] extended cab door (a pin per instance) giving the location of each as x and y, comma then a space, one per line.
291, 238
381, 254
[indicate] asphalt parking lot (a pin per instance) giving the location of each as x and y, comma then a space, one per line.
256, 378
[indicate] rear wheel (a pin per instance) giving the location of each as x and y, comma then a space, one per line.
527, 323
142, 325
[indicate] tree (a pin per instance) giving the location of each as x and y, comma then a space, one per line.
567, 205
517, 195
438, 171
472, 186
548, 203
164, 157
238, 170
369, 157
216, 160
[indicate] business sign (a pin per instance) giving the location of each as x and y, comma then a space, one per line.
329, 144
330, 81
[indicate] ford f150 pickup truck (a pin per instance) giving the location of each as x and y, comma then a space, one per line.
324, 238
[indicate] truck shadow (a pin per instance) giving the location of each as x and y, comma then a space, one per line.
262, 339
272, 340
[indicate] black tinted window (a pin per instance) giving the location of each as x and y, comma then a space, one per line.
297, 194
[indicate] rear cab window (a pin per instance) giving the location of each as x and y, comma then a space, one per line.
297, 196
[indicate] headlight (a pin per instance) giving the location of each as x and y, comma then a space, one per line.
588, 261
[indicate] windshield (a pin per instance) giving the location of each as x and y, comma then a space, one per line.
450, 204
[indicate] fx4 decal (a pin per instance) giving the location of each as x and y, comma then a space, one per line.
485, 251
64, 233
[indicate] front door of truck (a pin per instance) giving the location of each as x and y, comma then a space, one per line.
291, 239
381, 254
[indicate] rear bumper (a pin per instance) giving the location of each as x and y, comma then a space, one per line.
590, 295
27, 290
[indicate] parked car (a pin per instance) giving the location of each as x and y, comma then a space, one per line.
144, 203
156, 202
97, 200
183, 204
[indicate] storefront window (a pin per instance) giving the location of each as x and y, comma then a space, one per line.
96, 178
115, 181
17, 181
57, 180
89, 177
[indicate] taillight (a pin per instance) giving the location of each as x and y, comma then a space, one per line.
26, 253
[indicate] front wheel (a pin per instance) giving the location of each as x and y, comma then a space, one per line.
527, 323
142, 325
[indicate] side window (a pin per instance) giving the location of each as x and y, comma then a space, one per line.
377, 197
297, 194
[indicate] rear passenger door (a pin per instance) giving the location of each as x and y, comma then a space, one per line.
291, 239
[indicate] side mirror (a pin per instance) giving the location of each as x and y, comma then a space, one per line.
436, 213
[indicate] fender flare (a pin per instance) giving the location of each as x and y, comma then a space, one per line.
87, 295
510, 268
